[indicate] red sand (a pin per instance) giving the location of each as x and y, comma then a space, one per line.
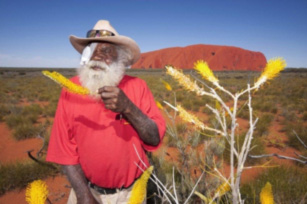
58, 187
12, 151
218, 57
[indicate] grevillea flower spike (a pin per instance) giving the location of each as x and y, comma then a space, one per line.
266, 196
37, 192
188, 117
139, 188
183, 80
271, 70
204, 70
63, 81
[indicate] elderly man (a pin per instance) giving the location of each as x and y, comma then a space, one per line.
101, 139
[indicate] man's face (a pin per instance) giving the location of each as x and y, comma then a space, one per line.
105, 52
105, 68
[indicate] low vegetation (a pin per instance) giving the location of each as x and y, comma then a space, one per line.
18, 175
28, 102
288, 185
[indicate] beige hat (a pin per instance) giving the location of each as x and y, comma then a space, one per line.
80, 43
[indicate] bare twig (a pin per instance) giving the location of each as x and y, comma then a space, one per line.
192, 192
300, 155
174, 185
278, 156
38, 161
300, 139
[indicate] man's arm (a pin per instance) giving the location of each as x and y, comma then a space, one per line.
79, 183
116, 100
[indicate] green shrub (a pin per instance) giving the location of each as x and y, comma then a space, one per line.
263, 124
50, 109
14, 120
187, 104
181, 129
243, 112
4, 111
289, 185
26, 130
301, 131
18, 175
32, 109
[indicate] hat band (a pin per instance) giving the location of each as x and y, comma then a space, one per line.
98, 33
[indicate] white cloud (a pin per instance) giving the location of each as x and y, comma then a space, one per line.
37, 61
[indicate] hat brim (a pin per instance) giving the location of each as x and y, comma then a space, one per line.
80, 43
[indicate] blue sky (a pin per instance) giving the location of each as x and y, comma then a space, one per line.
34, 33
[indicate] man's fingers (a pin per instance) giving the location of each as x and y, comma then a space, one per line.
110, 101
107, 95
107, 89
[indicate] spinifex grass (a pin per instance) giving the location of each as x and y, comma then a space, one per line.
18, 175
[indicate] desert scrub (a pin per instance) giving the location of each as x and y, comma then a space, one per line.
18, 175
23, 121
26, 130
289, 185
264, 122
32, 112
50, 109
172, 139
4, 111
300, 130
14, 120
243, 112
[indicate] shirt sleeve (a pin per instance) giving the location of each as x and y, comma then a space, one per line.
62, 147
149, 107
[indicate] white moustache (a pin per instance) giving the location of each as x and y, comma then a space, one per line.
97, 65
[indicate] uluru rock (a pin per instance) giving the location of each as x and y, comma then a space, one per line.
219, 58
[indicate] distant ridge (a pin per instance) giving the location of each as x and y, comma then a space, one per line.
219, 58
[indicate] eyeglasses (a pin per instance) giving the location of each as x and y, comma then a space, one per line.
98, 33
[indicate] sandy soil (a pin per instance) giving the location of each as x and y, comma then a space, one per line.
58, 192
12, 151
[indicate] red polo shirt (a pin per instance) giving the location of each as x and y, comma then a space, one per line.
84, 132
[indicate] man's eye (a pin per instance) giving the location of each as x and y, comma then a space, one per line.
106, 50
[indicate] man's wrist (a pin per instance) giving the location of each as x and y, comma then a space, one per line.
127, 109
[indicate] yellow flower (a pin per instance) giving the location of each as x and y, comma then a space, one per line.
223, 188
204, 70
183, 80
204, 198
139, 188
37, 192
159, 105
184, 115
271, 70
69, 85
266, 196
167, 85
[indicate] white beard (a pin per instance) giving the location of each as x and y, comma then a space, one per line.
107, 75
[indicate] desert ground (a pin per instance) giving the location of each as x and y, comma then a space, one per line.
28, 101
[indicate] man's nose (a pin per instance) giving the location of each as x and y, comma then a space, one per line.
102, 58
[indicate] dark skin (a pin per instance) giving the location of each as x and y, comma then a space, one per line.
115, 100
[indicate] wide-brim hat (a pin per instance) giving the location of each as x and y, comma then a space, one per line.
80, 43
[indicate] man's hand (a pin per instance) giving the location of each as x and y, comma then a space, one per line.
114, 98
